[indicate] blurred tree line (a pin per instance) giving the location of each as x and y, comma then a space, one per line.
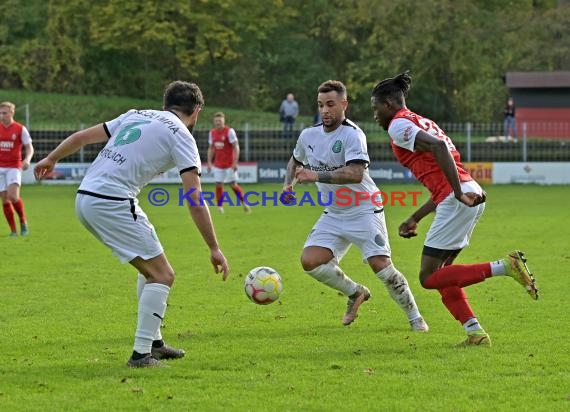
249, 54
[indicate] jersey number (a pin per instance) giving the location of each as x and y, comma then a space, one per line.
129, 134
431, 128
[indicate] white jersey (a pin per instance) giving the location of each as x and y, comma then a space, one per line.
321, 151
142, 144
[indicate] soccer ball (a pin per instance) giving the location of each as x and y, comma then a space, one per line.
263, 285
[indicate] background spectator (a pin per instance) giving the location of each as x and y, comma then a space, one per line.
288, 113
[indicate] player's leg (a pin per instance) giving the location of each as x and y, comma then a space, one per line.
455, 299
6, 204
132, 239
148, 304
368, 232
9, 213
238, 191
160, 350
219, 177
450, 231
323, 249
219, 194
14, 179
399, 290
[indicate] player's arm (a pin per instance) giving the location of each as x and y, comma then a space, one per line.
29, 149
353, 172
292, 166
425, 142
409, 227
201, 216
72, 144
235, 153
210, 156
287, 194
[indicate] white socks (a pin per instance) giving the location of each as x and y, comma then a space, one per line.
498, 268
472, 325
332, 275
152, 307
399, 290
141, 282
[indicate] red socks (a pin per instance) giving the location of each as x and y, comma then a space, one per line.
237, 190
9, 213
19, 208
455, 300
458, 276
219, 193
449, 281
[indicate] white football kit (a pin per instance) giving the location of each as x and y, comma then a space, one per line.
142, 144
355, 215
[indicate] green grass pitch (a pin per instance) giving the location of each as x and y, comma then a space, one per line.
68, 313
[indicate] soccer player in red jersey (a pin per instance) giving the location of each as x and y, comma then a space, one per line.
458, 201
13, 137
223, 153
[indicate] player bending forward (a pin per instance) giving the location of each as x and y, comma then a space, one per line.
335, 157
420, 145
140, 145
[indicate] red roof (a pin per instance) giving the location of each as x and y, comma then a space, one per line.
518, 80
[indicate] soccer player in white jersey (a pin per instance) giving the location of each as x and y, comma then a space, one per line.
458, 201
334, 155
140, 145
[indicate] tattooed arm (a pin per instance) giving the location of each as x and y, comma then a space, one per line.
353, 172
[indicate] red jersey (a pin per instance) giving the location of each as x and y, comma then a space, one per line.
402, 130
222, 142
12, 138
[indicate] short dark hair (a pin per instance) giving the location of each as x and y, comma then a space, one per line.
183, 96
395, 88
332, 86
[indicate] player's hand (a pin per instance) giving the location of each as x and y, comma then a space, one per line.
287, 195
234, 167
43, 167
220, 263
25, 164
305, 175
408, 228
472, 199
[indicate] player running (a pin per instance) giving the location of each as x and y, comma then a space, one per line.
335, 157
458, 201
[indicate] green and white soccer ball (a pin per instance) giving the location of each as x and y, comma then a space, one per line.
263, 285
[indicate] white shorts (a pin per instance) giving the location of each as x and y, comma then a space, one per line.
9, 176
228, 175
113, 223
454, 221
338, 232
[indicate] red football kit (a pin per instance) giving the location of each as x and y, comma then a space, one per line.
423, 164
12, 138
222, 143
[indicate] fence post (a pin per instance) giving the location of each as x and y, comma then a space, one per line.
246, 141
524, 153
468, 141
27, 106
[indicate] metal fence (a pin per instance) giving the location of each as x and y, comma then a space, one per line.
477, 142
